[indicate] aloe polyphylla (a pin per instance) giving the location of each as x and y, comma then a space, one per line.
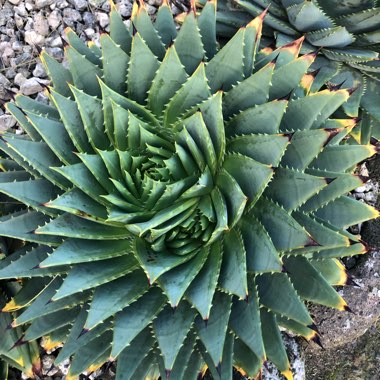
184, 201
347, 34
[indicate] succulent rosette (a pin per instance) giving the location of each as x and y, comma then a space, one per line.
347, 34
179, 202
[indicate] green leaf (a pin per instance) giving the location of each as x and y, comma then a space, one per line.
165, 24
56, 137
284, 231
139, 80
246, 324
175, 282
188, 44
72, 226
89, 275
114, 296
133, 319
233, 196
115, 64
290, 189
44, 325
132, 356
91, 112
59, 75
342, 158
207, 28
26, 103
344, 212
33, 193
267, 119
233, 274
277, 293
245, 360
274, 346
266, 149
154, 265
226, 68
201, 291
39, 156
261, 254
193, 91
170, 329
71, 118
310, 284
118, 31
144, 27
250, 92
251, 175
167, 81
74, 251
84, 72
213, 335
22, 227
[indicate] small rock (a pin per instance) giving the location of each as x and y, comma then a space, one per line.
89, 32
41, 25
54, 19
17, 46
33, 38
80, 5
360, 189
88, 18
150, 9
47, 363
39, 71
19, 79
43, 3
55, 42
155, 3
31, 86
6, 122
61, 4
370, 197
55, 52
10, 73
124, 9
102, 19
71, 15
15, 2
22, 58
19, 21
21, 10
97, 3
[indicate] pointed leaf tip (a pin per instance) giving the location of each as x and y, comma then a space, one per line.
347, 308
316, 339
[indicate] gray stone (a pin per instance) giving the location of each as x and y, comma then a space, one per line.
39, 71
55, 52
21, 10
102, 19
41, 25
19, 79
124, 9
80, 5
6, 122
71, 15
55, 42
88, 18
61, 4
54, 19
19, 21
33, 38
43, 3
31, 86
15, 2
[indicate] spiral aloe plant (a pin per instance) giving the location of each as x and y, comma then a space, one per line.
182, 202
347, 34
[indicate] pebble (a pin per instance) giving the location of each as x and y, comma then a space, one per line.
102, 19
80, 5
15, 2
33, 38
39, 71
54, 19
19, 79
41, 25
6, 122
31, 86
43, 3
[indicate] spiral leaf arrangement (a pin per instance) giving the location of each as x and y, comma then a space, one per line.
178, 202
347, 34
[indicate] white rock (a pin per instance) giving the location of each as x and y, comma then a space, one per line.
31, 86
33, 38
19, 79
39, 71
56, 42
6, 122
41, 25
54, 19
89, 32
15, 2
360, 189
150, 9
43, 3
102, 19
79, 4
19, 21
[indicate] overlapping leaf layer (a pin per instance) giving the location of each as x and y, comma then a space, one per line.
347, 34
182, 201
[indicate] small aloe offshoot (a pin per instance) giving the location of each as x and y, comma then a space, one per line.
347, 34
181, 201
